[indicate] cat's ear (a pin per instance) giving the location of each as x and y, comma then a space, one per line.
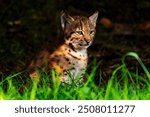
66, 20
93, 18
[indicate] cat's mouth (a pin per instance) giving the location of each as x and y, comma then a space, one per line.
84, 44
80, 44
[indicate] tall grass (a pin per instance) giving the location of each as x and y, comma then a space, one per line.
123, 84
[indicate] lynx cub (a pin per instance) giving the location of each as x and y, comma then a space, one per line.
71, 57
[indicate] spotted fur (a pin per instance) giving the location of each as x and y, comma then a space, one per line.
71, 57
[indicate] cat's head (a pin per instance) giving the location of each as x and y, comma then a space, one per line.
79, 31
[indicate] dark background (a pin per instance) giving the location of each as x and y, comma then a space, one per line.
27, 26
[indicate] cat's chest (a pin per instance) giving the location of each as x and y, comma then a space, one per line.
77, 66
68, 62
77, 59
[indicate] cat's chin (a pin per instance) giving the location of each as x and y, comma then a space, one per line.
82, 46
85, 46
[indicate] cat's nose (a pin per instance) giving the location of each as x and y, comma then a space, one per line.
87, 42
84, 43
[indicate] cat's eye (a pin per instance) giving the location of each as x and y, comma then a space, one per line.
92, 32
79, 32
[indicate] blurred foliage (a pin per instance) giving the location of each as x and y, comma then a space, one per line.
25, 25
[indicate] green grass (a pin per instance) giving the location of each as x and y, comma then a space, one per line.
122, 85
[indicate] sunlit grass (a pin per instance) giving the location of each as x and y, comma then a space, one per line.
123, 84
